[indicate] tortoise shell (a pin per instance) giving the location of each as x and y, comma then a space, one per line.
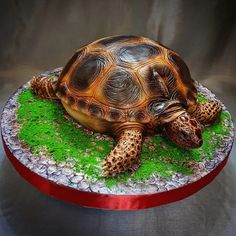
126, 79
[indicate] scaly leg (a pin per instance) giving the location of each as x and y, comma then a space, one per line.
207, 112
125, 155
44, 87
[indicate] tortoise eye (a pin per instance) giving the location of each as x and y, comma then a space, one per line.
198, 133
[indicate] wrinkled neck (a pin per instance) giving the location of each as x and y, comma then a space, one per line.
118, 129
172, 111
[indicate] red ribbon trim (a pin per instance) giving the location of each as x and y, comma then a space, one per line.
110, 201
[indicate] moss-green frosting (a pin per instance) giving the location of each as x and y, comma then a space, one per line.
46, 130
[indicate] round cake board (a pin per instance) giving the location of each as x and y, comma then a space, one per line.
64, 182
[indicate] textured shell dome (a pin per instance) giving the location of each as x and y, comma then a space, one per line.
125, 78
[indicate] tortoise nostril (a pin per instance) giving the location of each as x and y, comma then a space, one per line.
200, 142
199, 134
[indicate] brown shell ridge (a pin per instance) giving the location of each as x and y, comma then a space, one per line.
140, 81
129, 39
105, 110
68, 93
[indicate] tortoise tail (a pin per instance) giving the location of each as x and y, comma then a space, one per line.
44, 87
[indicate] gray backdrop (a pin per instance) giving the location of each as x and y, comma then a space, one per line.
42, 35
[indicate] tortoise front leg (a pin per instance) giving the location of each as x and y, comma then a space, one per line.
207, 112
125, 155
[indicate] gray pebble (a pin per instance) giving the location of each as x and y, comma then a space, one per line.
83, 185
63, 180
61, 164
76, 179
209, 165
67, 171
51, 169
52, 162
40, 168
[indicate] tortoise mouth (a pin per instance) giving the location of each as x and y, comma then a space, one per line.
191, 144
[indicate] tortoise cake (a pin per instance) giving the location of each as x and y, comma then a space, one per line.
129, 87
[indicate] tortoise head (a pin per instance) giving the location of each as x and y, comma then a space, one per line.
185, 131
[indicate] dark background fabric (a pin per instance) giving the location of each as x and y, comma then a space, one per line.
41, 35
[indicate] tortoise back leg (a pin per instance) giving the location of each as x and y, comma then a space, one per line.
125, 155
44, 87
207, 112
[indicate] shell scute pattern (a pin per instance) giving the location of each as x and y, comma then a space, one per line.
117, 74
76, 57
121, 89
95, 110
87, 71
136, 53
81, 103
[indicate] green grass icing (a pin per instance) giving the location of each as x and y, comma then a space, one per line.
46, 130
